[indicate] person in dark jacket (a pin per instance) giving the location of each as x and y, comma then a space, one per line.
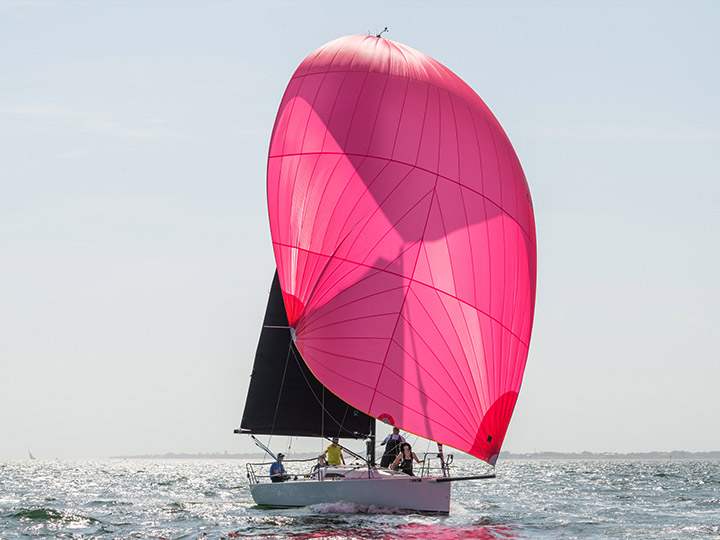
391, 443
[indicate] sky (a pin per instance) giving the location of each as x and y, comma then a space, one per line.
135, 254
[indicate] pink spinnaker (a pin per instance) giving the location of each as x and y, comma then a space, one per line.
404, 237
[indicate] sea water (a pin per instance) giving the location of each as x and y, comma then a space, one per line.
209, 499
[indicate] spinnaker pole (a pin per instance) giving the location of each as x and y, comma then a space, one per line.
263, 447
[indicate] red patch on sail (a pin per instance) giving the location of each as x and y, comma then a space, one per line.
387, 418
492, 430
294, 308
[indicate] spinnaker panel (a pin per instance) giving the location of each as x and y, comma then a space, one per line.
404, 237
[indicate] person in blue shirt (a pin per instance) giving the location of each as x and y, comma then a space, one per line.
277, 470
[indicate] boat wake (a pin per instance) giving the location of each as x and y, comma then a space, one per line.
353, 508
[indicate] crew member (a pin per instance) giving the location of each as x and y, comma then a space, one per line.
334, 453
404, 460
391, 443
277, 470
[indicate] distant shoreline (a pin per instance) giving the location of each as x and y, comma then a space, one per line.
675, 454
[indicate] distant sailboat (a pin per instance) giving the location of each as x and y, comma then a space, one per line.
30, 454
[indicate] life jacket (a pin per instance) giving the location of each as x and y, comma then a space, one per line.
406, 466
391, 448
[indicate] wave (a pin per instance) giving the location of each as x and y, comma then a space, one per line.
48, 514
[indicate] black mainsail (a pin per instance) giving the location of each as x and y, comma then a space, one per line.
284, 397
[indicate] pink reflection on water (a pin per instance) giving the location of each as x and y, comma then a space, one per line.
411, 531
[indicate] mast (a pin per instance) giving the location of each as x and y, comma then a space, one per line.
371, 445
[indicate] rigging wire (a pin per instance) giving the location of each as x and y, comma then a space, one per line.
321, 402
277, 404
322, 419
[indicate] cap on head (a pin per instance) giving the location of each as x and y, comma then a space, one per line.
281, 455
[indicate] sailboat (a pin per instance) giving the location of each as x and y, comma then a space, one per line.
404, 238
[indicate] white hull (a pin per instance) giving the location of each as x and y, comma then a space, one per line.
420, 494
